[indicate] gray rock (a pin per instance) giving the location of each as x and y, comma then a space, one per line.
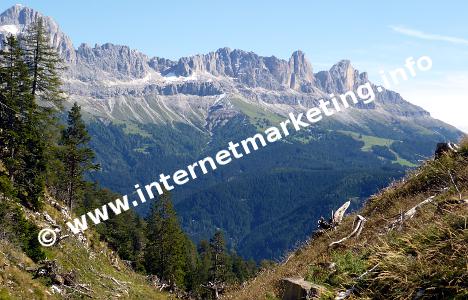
299, 289
120, 61
115, 82
341, 77
21, 17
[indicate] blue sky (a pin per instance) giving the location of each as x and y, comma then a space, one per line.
374, 37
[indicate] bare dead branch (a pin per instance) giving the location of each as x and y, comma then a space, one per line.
357, 230
453, 182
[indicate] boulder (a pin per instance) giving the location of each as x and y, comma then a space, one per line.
443, 148
57, 279
298, 289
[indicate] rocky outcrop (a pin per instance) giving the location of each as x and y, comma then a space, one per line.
298, 289
118, 61
342, 77
19, 17
161, 65
250, 69
301, 76
186, 88
109, 71
220, 113
396, 105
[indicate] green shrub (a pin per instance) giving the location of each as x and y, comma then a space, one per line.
19, 230
348, 267
317, 275
4, 295
271, 296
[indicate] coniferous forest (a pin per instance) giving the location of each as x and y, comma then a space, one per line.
365, 200
43, 153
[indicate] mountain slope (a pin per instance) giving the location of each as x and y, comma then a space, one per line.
151, 115
421, 257
93, 269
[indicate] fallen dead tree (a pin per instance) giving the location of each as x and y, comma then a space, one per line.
398, 223
345, 294
60, 280
215, 287
356, 232
335, 219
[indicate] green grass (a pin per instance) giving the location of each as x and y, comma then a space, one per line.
260, 118
424, 257
4, 295
15, 282
143, 149
370, 141
403, 161
131, 128
347, 266
95, 265
271, 296
431, 259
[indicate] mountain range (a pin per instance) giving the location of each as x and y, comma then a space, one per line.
149, 115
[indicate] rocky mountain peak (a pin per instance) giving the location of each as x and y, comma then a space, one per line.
300, 70
17, 18
250, 69
344, 72
19, 15
341, 77
117, 61
299, 63
109, 70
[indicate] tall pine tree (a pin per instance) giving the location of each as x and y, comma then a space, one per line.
23, 149
165, 250
76, 156
218, 257
14, 97
44, 63
29, 72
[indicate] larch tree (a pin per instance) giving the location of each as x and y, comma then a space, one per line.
23, 148
45, 64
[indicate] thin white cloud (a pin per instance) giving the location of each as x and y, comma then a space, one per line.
429, 36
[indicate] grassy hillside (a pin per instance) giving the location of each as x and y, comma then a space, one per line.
260, 118
424, 257
372, 141
99, 273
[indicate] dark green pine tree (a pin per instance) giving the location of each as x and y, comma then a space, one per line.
23, 147
191, 264
138, 239
203, 271
204, 251
241, 269
76, 156
218, 258
45, 64
14, 97
165, 249
45, 67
